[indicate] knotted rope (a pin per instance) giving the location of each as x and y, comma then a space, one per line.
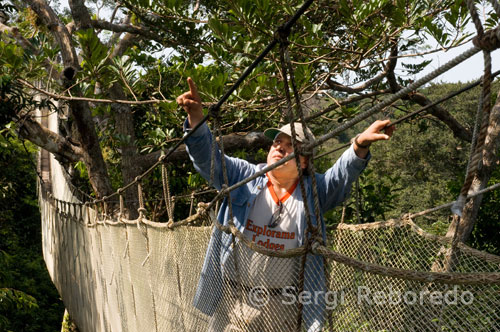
487, 41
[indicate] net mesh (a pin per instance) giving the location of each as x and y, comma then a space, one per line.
139, 275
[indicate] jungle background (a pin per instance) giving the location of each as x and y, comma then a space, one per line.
68, 59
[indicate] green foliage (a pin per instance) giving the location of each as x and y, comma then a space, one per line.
427, 165
422, 166
28, 299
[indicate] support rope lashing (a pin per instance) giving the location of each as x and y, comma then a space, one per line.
476, 158
312, 231
191, 199
121, 213
166, 191
357, 200
141, 210
284, 70
214, 112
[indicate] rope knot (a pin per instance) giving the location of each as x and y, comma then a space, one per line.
201, 209
314, 246
214, 111
281, 35
490, 40
308, 148
170, 224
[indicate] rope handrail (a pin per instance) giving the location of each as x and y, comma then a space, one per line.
360, 117
426, 107
472, 278
447, 205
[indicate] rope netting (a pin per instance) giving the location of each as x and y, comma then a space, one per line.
116, 274
132, 275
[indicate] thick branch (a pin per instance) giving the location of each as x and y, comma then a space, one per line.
80, 14
50, 19
50, 141
133, 29
232, 142
93, 158
124, 44
391, 77
458, 130
388, 69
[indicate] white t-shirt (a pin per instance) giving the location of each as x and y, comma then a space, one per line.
284, 235
257, 269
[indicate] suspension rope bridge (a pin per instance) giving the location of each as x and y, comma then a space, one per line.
116, 274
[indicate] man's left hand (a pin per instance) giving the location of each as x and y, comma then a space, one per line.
380, 130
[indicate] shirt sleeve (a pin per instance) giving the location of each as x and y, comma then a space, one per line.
335, 185
199, 148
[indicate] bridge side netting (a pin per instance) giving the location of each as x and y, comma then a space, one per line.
141, 276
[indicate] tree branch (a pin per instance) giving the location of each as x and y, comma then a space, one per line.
50, 141
339, 87
232, 142
458, 130
58, 29
133, 29
443, 115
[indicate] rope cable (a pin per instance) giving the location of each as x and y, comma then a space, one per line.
426, 107
285, 59
476, 158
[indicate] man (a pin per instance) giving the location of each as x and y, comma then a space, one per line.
268, 211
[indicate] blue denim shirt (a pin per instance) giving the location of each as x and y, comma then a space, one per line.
333, 187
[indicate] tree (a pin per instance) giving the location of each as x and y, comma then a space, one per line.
112, 71
424, 165
116, 74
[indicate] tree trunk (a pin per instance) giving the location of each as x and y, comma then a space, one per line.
92, 155
489, 162
91, 151
124, 125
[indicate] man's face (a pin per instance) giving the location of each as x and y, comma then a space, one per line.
282, 147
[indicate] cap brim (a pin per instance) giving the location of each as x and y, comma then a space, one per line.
271, 133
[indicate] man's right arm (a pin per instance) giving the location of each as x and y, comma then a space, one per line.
199, 144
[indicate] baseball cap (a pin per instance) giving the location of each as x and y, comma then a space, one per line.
271, 133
